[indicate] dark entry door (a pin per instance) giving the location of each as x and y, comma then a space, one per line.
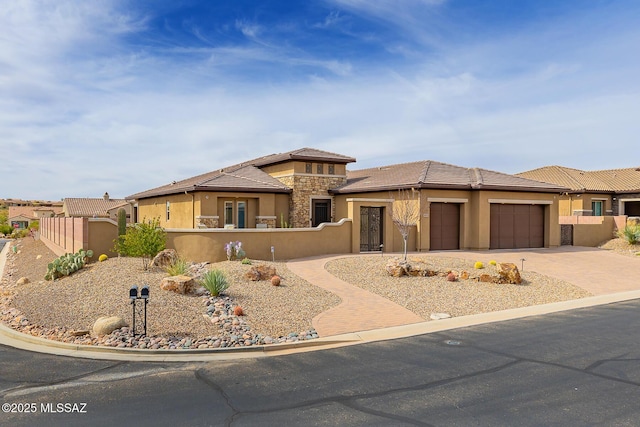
370, 229
444, 226
321, 212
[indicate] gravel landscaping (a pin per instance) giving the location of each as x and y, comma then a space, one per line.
426, 296
66, 308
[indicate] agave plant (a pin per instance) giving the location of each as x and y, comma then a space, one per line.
215, 281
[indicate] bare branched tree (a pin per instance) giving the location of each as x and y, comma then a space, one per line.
406, 213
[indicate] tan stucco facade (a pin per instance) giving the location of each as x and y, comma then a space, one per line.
582, 204
475, 216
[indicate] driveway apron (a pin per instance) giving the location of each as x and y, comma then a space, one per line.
595, 270
359, 310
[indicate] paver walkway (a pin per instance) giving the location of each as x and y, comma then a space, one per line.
359, 310
595, 270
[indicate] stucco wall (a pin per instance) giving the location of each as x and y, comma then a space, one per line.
593, 235
208, 245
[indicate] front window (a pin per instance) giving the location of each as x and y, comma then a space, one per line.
308, 168
228, 213
596, 208
320, 168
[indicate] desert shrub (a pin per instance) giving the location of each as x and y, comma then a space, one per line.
143, 240
67, 264
478, 265
631, 233
246, 261
103, 257
215, 281
492, 262
179, 268
5, 229
234, 251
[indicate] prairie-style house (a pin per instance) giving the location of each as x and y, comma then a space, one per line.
459, 207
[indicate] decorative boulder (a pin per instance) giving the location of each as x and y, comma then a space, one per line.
106, 325
509, 273
179, 284
451, 277
22, 281
464, 275
486, 278
165, 258
395, 267
275, 280
260, 272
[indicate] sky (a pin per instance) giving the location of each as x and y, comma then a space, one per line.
123, 96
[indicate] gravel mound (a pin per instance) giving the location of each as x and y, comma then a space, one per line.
428, 295
58, 309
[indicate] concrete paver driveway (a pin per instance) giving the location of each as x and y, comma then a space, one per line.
595, 270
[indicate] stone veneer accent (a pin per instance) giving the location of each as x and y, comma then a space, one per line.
207, 221
305, 187
270, 221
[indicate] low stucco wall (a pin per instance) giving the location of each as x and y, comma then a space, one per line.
288, 243
591, 231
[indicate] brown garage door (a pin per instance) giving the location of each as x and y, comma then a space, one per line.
444, 228
517, 226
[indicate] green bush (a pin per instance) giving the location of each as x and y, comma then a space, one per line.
179, 268
67, 264
478, 265
215, 281
143, 240
246, 261
631, 233
5, 229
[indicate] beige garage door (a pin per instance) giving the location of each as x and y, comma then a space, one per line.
517, 226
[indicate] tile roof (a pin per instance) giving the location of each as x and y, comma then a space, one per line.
88, 207
246, 176
431, 174
302, 154
605, 181
233, 178
23, 211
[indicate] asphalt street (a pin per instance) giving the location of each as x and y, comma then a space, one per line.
575, 368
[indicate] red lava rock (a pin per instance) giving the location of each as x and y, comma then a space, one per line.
238, 311
275, 280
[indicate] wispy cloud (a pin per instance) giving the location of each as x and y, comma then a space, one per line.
95, 95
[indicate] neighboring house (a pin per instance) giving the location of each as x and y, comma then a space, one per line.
21, 217
461, 208
104, 207
593, 193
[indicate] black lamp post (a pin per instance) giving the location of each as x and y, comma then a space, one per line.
134, 297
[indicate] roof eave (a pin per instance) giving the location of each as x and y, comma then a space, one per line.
192, 189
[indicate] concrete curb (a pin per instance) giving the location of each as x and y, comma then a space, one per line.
23, 341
